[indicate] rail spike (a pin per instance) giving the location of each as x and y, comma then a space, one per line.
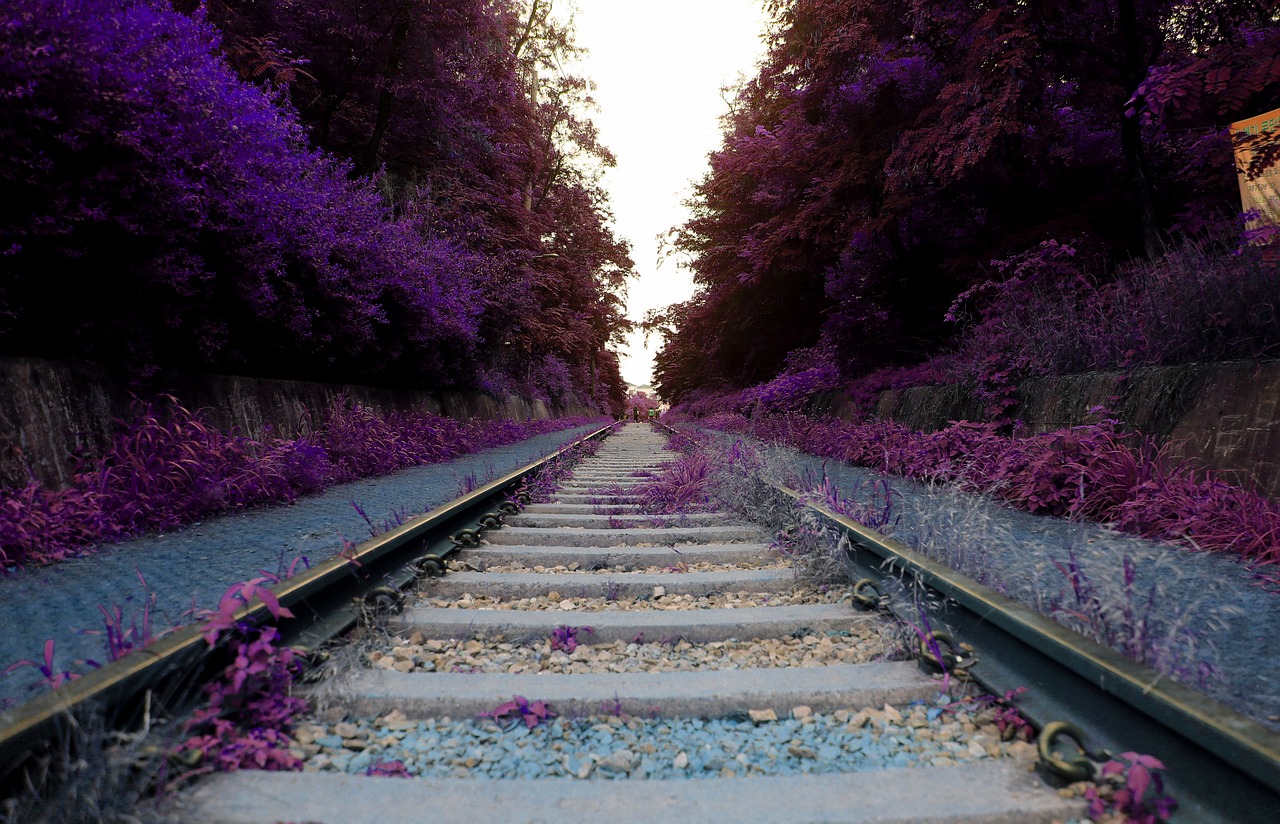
939, 652
429, 566
1066, 769
466, 538
867, 596
381, 601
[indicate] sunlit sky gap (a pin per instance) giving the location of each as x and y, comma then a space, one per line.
658, 68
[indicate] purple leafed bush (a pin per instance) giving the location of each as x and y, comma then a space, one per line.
168, 467
250, 712
1047, 313
1203, 301
1133, 788
147, 182
1093, 471
566, 638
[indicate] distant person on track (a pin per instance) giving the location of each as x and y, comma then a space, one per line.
635, 414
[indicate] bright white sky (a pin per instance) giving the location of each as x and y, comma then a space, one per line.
658, 66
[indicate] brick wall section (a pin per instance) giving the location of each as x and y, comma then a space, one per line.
1224, 415
49, 409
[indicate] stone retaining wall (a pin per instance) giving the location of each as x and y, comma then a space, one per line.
1224, 415
50, 409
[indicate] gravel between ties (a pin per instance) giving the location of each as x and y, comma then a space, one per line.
865, 640
612, 746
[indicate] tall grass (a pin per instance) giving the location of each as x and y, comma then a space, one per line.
1139, 606
1093, 472
168, 467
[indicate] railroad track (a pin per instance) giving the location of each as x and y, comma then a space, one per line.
594, 567
624, 652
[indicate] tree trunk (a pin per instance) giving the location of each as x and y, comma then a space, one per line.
368, 160
1134, 69
1135, 155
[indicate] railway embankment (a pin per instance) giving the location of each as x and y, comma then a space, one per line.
1225, 415
49, 409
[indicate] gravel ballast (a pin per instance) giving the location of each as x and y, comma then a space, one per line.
621, 747
862, 643
194, 566
1199, 598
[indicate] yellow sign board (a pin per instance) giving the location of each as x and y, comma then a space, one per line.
1260, 193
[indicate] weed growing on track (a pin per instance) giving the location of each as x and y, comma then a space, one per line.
950, 528
1139, 622
532, 713
395, 519
124, 635
1004, 713
466, 485
1132, 787
245, 723
566, 638
53, 676
682, 486
250, 711
92, 774
1145, 623
542, 487
102, 775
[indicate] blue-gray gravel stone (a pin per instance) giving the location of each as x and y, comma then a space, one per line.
195, 565
615, 749
1232, 614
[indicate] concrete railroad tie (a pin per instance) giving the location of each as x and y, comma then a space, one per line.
597, 524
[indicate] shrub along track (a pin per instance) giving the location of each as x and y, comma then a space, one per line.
671, 648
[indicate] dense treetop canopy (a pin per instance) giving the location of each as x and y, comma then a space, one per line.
396, 191
889, 157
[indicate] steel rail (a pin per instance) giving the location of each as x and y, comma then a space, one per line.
1222, 765
168, 672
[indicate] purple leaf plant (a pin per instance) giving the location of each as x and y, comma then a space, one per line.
1131, 786
566, 638
167, 467
532, 713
